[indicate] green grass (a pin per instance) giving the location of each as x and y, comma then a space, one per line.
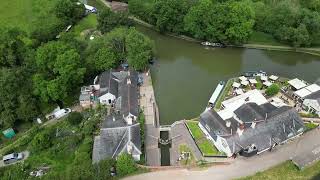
287, 171
263, 38
311, 126
89, 22
21, 13
206, 146
224, 93
196, 131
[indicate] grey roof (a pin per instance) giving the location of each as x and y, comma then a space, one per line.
213, 123
108, 83
281, 124
114, 141
84, 97
128, 93
250, 112
114, 120
315, 96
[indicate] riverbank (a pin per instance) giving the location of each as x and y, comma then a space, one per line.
311, 51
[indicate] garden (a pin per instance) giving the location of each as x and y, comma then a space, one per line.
206, 147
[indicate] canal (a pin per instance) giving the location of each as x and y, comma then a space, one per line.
185, 73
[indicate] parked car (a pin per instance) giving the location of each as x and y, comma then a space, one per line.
11, 158
61, 113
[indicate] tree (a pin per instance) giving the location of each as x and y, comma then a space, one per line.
301, 36
105, 59
59, 71
169, 14
273, 90
16, 102
125, 164
102, 169
194, 22
108, 20
75, 118
139, 48
12, 47
117, 40
69, 11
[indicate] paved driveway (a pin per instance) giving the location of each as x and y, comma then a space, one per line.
242, 166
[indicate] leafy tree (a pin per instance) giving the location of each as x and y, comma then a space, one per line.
142, 9
125, 164
59, 71
75, 118
12, 47
139, 48
105, 59
108, 20
116, 40
273, 90
301, 36
169, 14
195, 24
16, 102
69, 11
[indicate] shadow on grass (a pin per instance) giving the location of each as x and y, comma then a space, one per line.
316, 177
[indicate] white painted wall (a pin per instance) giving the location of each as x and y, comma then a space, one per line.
104, 99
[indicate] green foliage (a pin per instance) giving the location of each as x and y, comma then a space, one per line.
105, 59
125, 165
139, 49
311, 126
69, 11
12, 47
143, 9
169, 14
108, 20
59, 71
272, 90
16, 102
102, 169
42, 140
75, 118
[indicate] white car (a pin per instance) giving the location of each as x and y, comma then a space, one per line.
10, 158
61, 113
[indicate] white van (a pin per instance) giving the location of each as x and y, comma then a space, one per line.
62, 112
10, 158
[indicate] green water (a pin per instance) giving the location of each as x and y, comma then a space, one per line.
186, 74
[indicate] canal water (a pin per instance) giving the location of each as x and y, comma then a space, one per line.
186, 74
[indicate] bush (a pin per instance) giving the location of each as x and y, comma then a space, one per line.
75, 118
273, 90
125, 165
102, 169
42, 140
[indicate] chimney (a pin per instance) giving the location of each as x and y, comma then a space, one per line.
228, 123
128, 81
129, 120
253, 125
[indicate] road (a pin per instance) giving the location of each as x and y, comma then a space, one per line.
242, 166
26, 154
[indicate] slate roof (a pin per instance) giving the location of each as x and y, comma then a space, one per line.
84, 97
281, 124
128, 93
108, 83
113, 141
315, 96
252, 112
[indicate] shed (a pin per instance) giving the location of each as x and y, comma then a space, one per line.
267, 83
273, 77
297, 83
302, 93
253, 81
9, 133
239, 91
264, 78
242, 78
245, 83
236, 85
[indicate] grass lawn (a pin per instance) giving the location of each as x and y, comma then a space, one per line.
263, 38
205, 145
287, 171
224, 93
311, 126
21, 13
89, 22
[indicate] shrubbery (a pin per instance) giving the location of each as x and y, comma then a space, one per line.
125, 165
273, 90
74, 118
